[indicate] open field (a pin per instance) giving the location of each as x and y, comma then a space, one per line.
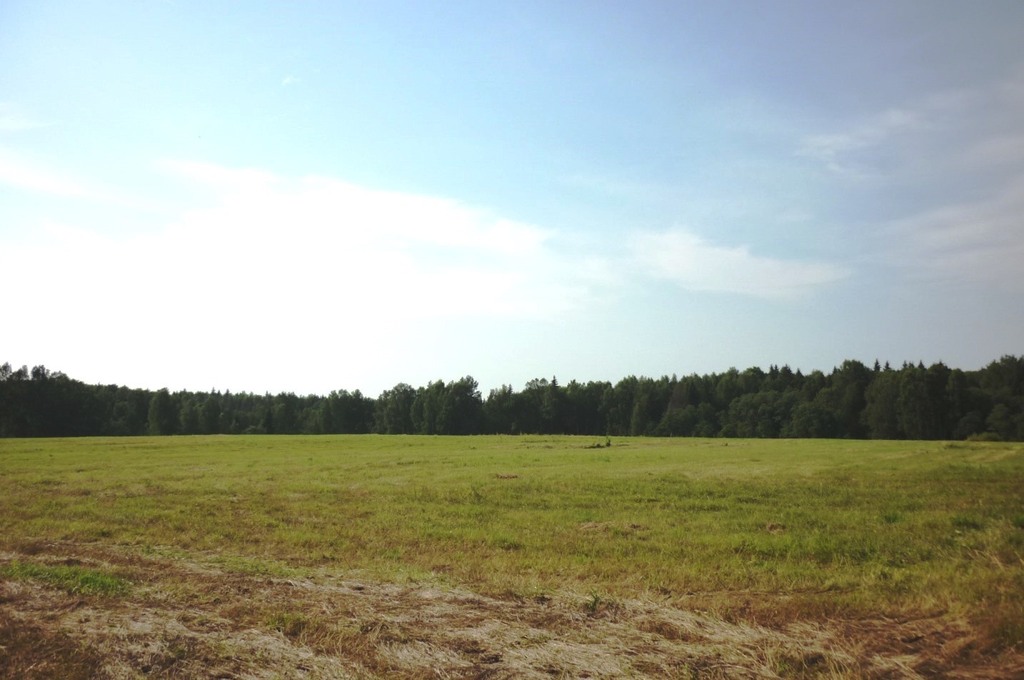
378, 556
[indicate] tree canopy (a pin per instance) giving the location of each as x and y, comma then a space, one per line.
853, 401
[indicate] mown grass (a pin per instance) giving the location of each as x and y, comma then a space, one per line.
764, 529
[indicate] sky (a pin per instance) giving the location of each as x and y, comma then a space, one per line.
310, 196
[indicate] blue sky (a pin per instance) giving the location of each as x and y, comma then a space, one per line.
268, 196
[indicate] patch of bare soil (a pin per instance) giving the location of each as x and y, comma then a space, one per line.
187, 619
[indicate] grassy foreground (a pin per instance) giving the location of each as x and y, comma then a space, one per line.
761, 531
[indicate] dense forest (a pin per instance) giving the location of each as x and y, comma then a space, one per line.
853, 401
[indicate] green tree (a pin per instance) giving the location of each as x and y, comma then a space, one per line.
811, 420
850, 382
916, 413
210, 414
881, 411
727, 387
163, 414
1001, 422
461, 408
286, 413
425, 412
129, 411
393, 412
500, 411
552, 408
678, 421
189, 416
345, 412
582, 408
617, 404
759, 414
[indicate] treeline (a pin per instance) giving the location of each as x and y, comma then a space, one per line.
853, 401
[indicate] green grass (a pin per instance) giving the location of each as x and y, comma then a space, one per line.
74, 579
772, 529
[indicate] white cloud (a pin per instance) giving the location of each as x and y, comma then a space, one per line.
694, 264
218, 177
333, 233
315, 274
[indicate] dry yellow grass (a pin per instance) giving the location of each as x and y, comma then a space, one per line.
186, 618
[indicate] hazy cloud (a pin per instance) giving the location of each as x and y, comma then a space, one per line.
941, 132
979, 241
28, 175
695, 264
998, 150
22, 174
840, 152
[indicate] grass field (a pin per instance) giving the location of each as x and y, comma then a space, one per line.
377, 556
